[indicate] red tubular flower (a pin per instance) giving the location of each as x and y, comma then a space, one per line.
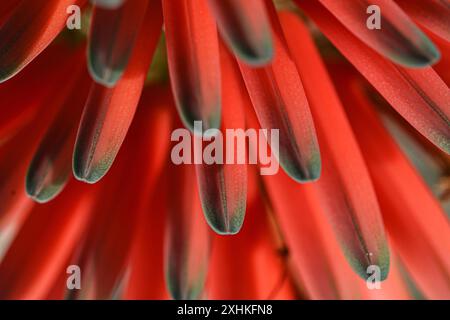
223, 187
403, 214
349, 199
353, 208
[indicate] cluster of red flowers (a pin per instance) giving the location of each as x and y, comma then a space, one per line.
361, 186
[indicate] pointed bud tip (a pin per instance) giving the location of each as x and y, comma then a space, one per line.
39, 199
40, 194
255, 59
224, 228
224, 224
214, 122
362, 266
427, 57
301, 175
108, 4
106, 78
88, 174
90, 177
6, 73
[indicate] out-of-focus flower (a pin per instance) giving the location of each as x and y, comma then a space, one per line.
348, 198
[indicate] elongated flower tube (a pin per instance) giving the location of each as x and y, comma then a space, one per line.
194, 64
109, 111
7, 8
148, 247
15, 206
187, 244
398, 38
433, 14
13, 164
399, 208
112, 39
223, 185
108, 4
246, 28
270, 89
347, 217
442, 68
309, 250
420, 96
50, 169
113, 231
26, 107
28, 30
349, 198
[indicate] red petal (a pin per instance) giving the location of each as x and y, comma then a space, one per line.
147, 273
29, 29
249, 265
223, 186
313, 251
108, 250
419, 228
39, 80
46, 241
345, 185
194, 65
7, 8
109, 111
399, 39
442, 68
112, 38
280, 103
433, 14
393, 288
420, 96
108, 4
245, 27
187, 243
50, 169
